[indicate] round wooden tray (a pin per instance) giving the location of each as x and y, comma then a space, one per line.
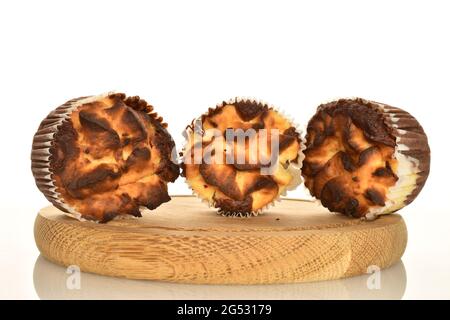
185, 241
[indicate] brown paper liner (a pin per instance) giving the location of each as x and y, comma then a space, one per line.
411, 150
410, 134
43, 141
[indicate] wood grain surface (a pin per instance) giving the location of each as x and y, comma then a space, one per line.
185, 241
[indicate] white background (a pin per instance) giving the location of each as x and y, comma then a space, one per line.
184, 56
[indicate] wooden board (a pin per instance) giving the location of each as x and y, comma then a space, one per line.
185, 241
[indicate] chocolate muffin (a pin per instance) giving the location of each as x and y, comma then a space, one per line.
242, 156
365, 158
104, 156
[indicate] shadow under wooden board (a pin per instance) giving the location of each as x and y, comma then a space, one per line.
185, 241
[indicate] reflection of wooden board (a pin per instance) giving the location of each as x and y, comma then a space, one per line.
185, 241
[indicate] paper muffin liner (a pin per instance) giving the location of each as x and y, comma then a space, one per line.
413, 155
43, 141
411, 151
295, 166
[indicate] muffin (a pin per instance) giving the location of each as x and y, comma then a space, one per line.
103, 156
241, 156
365, 158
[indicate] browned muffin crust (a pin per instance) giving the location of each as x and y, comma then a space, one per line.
108, 157
352, 157
240, 188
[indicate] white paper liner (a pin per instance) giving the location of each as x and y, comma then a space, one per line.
294, 167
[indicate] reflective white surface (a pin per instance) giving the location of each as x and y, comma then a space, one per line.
186, 56
53, 282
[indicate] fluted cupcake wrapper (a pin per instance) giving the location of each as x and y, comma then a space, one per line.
40, 154
413, 155
411, 151
295, 167
43, 141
